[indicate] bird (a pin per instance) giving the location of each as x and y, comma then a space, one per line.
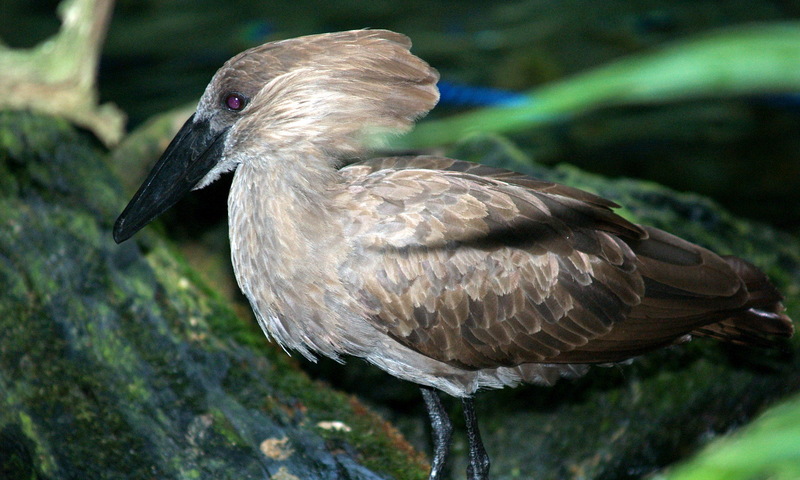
452, 275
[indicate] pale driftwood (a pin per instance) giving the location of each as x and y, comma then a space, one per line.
58, 76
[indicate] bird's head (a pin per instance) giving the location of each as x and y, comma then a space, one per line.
321, 97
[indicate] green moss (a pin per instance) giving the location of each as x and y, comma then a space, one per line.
46, 465
224, 427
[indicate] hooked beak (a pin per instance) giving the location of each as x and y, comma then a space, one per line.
193, 152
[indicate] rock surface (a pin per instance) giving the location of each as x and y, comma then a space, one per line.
117, 362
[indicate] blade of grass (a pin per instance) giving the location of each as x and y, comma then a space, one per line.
745, 60
767, 448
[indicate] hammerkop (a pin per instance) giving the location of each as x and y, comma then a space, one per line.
449, 274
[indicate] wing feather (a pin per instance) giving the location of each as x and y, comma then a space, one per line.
480, 268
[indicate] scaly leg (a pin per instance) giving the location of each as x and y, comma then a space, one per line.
442, 431
478, 468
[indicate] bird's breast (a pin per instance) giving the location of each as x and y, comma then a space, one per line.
287, 252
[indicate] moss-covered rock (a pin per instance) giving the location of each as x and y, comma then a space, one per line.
117, 362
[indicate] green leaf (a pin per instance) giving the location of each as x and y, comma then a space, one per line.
768, 448
745, 60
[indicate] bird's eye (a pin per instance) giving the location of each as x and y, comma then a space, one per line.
234, 101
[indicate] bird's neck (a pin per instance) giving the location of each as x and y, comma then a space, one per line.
286, 212
287, 246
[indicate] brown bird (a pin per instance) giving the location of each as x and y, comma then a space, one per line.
449, 274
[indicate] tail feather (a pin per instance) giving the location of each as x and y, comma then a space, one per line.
761, 319
690, 291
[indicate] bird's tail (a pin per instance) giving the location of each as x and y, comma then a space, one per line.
761, 320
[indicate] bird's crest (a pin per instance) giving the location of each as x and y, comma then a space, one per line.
331, 90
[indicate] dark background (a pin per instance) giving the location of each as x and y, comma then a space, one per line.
744, 153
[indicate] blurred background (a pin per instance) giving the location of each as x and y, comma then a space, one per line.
744, 152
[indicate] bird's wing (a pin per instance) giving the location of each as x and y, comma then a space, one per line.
481, 267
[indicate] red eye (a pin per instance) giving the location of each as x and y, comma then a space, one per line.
235, 101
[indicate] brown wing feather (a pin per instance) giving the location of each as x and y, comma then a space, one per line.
479, 272
481, 267
690, 290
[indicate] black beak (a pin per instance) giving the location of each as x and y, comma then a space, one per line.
189, 157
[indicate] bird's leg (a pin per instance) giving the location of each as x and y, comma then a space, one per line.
478, 468
442, 431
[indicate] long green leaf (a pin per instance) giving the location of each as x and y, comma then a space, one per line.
768, 448
752, 59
